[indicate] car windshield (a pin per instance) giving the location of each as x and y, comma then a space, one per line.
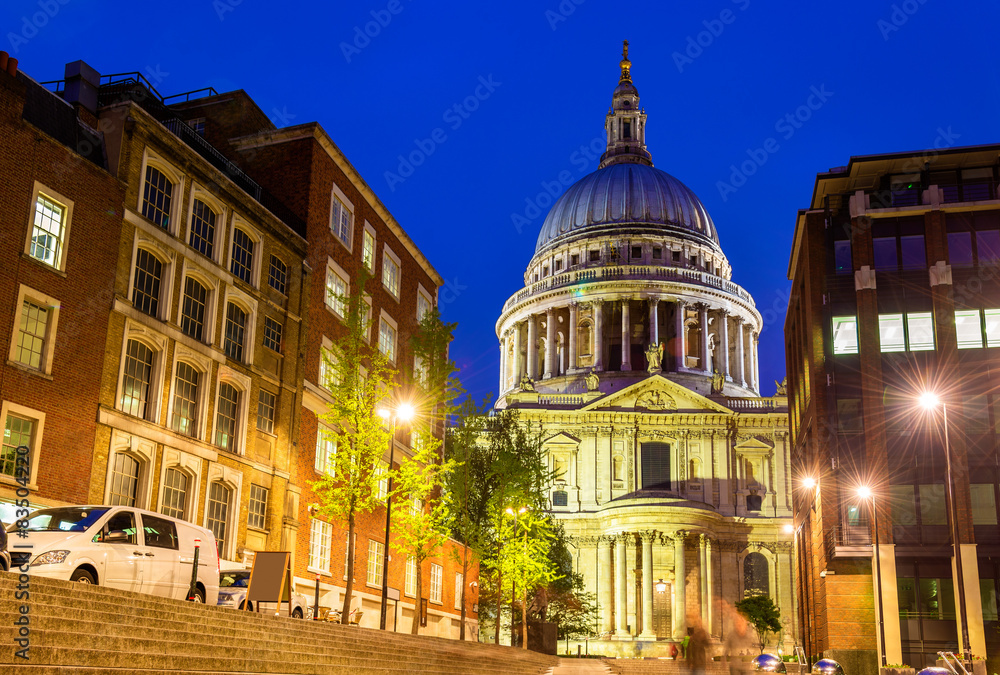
65, 519
236, 579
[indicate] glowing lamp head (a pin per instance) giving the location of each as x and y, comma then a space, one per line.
929, 400
661, 586
510, 512
404, 412
384, 413
809, 482
789, 528
522, 509
864, 492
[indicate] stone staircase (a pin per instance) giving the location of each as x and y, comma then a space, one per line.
87, 630
660, 667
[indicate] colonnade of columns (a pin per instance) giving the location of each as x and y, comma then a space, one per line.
704, 339
613, 585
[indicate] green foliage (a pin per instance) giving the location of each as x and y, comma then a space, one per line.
761, 613
563, 601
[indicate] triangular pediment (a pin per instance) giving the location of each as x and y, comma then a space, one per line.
657, 394
754, 443
562, 438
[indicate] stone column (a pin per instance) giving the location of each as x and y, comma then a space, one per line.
518, 359
703, 322
709, 590
724, 343
647, 586
532, 347
654, 320
503, 363
572, 365
680, 601
598, 306
550, 342
679, 333
607, 615
626, 336
755, 361
739, 375
621, 587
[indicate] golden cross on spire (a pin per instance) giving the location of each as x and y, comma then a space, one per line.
625, 64
625, 50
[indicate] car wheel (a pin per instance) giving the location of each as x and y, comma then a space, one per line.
297, 614
198, 597
83, 577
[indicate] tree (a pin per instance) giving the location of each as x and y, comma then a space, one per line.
761, 613
356, 376
564, 601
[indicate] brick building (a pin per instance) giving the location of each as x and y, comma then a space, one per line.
221, 239
895, 293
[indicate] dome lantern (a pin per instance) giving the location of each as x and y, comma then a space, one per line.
625, 123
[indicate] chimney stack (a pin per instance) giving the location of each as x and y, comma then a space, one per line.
82, 83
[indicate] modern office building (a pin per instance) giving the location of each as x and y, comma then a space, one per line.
895, 293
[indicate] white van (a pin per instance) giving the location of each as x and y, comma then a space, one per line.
119, 547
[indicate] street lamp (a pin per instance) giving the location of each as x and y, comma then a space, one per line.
808, 482
866, 493
930, 401
661, 585
402, 413
524, 590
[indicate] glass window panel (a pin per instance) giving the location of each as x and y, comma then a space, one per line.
368, 251
16, 432
375, 549
912, 250
885, 253
437, 574
47, 232
411, 576
156, 197
920, 331
320, 537
932, 505
272, 334
218, 514
225, 425
988, 594
968, 329
236, 322
257, 509
146, 286
203, 228
185, 413
992, 321
387, 340
937, 598
174, 493
842, 256
124, 480
193, 309
136, 378
277, 275
849, 418
906, 588
960, 248
890, 333
265, 411
988, 246
242, 262
976, 413
845, 335
984, 506
336, 292
903, 505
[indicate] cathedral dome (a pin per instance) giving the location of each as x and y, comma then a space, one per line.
645, 199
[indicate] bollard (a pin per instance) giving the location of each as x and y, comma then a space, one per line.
316, 610
194, 571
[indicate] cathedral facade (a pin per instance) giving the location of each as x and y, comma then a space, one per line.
634, 354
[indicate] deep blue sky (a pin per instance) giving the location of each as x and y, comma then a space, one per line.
894, 73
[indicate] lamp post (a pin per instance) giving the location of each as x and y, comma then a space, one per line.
930, 401
403, 412
524, 589
802, 552
866, 493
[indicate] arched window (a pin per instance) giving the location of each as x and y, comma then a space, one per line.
755, 576
583, 340
187, 381
157, 196
124, 480
146, 286
193, 308
218, 514
228, 413
137, 377
175, 486
236, 326
242, 260
203, 228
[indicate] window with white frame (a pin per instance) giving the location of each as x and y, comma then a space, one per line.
368, 250
236, 328
336, 291
187, 388
257, 507
175, 486
410, 585
975, 327
341, 219
217, 520
390, 272
845, 335
375, 551
416, 506
320, 538
48, 231
459, 586
193, 308
35, 331
387, 339
265, 411
227, 416
437, 581
124, 480
913, 331
203, 229
366, 317
326, 450
329, 375
241, 264
277, 274
146, 284
424, 305
157, 197
17, 431
137, 378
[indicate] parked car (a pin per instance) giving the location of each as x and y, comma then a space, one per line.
233, 583
121, 547
4, 553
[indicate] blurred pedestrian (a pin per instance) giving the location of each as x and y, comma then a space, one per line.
697, 648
